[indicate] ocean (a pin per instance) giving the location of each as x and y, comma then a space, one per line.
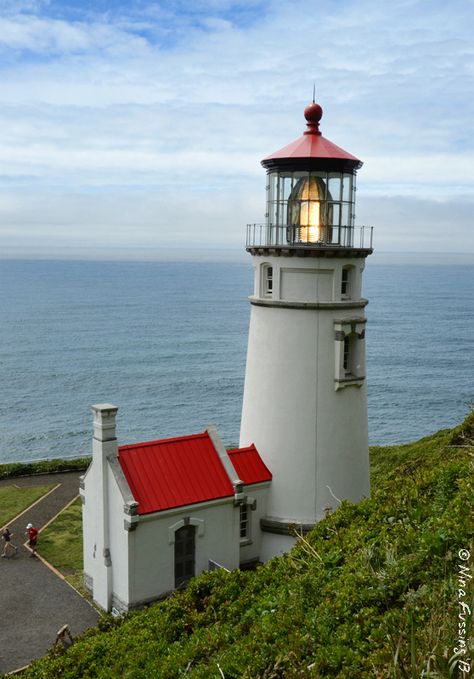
166, 342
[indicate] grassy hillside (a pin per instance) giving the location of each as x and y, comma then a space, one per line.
371, 592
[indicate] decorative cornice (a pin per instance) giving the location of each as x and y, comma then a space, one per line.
286, 304
152, 516
346, 321
353, 381
308, 251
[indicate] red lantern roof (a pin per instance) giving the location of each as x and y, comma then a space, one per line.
183, 471
312, 150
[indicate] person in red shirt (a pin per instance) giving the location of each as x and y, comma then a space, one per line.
32, 533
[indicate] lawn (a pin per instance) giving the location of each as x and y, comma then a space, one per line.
15, 499
61, 542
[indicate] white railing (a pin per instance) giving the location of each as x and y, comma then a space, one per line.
269, 235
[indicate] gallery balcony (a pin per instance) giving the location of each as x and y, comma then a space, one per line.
344, 241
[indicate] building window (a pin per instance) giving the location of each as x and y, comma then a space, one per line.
244, 522
267, 280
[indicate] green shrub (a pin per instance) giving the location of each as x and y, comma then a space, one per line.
15, 469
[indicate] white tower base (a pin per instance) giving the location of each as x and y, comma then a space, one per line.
305, 402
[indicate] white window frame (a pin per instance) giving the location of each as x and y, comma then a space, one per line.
268, 279
246, 507
244, 522
347, 282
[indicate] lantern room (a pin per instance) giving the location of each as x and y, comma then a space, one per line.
310, 194
312, 206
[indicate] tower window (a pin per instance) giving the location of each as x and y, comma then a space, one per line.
349, 352
350, 358
346, 282
347, 348
267, 280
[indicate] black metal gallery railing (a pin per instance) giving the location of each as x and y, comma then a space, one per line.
268, 235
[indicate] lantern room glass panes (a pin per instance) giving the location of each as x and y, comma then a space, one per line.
311, 207
334, 185
346, 187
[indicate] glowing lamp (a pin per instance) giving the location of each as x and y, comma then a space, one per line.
308, 210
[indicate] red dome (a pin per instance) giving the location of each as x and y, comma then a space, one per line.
312, 150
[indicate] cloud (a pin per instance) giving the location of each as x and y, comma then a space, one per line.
119, 223
163, 219
162, 101
412, 224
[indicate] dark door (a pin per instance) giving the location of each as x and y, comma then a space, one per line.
184, 553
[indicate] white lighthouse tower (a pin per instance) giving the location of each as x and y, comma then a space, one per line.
305, 399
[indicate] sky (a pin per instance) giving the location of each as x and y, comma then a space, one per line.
127, 127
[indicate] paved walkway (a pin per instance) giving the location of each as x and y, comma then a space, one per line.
34, 602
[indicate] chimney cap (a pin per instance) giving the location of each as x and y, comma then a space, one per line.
104, 407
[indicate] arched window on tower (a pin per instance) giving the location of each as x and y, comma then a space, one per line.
349, 361
267, 280
347, 282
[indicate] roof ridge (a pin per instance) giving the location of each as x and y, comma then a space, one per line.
233, 451
144, 444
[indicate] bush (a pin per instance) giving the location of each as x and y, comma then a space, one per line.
15, 469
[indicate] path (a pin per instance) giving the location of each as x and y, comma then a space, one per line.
34, 602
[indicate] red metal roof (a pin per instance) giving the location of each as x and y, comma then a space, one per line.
174, 472
183, 471
312, 146
249, 465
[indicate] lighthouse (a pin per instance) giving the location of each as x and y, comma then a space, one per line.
305, 397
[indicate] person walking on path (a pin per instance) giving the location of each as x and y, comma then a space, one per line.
7, 537
32, 533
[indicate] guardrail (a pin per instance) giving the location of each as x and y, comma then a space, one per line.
268, 235
214, 566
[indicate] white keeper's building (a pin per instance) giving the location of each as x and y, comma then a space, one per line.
159, 512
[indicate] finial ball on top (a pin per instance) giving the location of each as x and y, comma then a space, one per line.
313, 113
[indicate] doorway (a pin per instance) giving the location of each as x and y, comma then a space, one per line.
184, 554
